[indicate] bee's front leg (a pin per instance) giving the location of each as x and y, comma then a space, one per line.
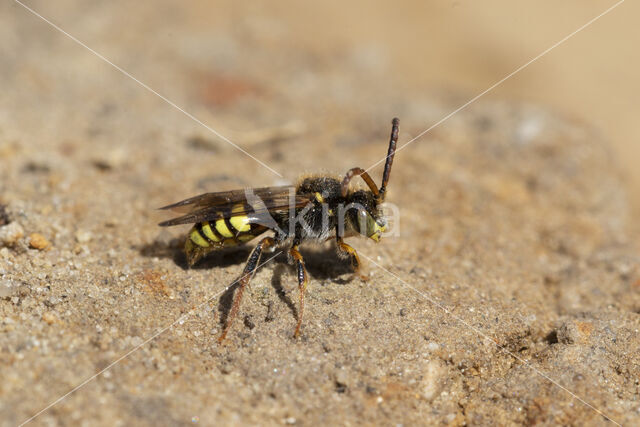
353, 255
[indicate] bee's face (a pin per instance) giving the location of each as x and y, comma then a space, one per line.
368, 219
371, 226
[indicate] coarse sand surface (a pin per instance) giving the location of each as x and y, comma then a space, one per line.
509, 293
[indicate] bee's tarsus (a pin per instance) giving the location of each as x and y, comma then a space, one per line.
302, 284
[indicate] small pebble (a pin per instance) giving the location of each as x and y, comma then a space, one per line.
38, 241
432, 346
11, 233
432, 379
7, 289
49, 318
341, 377
83, 236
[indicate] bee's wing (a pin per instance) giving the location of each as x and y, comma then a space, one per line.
225, 197
254, 202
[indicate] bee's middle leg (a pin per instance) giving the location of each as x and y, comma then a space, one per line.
302, 283
247, 274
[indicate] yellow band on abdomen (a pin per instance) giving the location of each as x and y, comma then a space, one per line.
240, 223
197, 238
222, 228
206, 229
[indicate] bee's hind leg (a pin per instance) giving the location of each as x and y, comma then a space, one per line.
353, 256
303, 279
247, 274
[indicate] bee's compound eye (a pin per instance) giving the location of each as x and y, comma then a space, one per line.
362, 216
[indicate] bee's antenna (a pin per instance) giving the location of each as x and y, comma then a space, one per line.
392, 151
364, 175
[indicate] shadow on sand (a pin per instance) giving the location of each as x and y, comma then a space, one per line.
321, 264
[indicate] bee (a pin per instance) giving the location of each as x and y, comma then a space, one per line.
317, 209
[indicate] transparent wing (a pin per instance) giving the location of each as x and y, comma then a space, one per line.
253, 202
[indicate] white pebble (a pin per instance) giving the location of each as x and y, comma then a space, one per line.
10, 233
7, 288
4, 253
432, 346
83, 236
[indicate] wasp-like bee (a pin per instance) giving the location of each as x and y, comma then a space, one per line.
319, 208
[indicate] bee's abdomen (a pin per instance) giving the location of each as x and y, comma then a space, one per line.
224, 232
208, 236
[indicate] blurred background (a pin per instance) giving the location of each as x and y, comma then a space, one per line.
417, 48
467, 46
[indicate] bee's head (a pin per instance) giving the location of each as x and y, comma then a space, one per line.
365, 215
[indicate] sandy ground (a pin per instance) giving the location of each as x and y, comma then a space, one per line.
510, 297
